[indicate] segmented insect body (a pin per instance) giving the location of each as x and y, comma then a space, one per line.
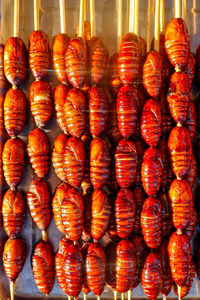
191, 121
113, 129
166, 214
60, 95
139, 197
191, 175
140, 149
189, 68
167, 174
190, 229
114, 79
58, 156
167, 121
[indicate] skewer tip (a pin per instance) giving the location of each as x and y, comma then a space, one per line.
115, 295
98, 297
44, 235
85, 296
164, 297
129, 294
12, 290
179, 292
122, 296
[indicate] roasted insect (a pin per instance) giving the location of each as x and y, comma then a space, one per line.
167, 68
100, 162
151, 122
60, 95
40, 102
190, 229
180, 149
152, 73
191, 121
13, 157
38, 152
129, 59
125, 265
113, 129
151, 171
189, 68
166, 214
38, 199
101, 211
14, 111
75, 62
167, 174
180, 257
74, 112
86, 235
14, 256
185, 289
13, 211
166, 272
126, 161
140, 149
139, 197
125, 211
74, 161
152, 276
15, 61
98, 110
60, 44
151, 222
85, 287
43, 267
96, 268
72, 214
114, 79
58, 156
178, 96
177, 43
127, 110
191, 175
167, 121
39, 54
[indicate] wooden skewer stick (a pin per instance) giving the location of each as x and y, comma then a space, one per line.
149, 25
164, 297
194, 17
119, 23
85, 296
16, 18
136, 17
162, 15
44, 235
69, 297
36, 14
62, 16
81, 22
197, 285
92, 17
12, 290
179, 292
98, 297
129, 294
122, 296
127, 15
177, 8
131, 15
115, 295
157, 25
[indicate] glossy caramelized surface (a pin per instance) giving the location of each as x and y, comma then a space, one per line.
60, 96
58, 156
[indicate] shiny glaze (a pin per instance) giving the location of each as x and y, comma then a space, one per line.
180, 149
188, 284
191, 121
100, 162
14, 111
60, 44
14, 256
151, 222
58, 156
189, 68
15, 61
178, 96
142, 97
151, 122
86, 183
42, 262
38, 199
192, 173
38, 152
113, 129
111, 255
166, 272
60, 95
75, 62
85, 287
86, 234
40, 102
113, 75
166, 213
127, 110
129, 59
13, 158
151, 171
140, 149
177, 42
167, 121
125, 211
126, 161
101, 211
190, 228
167, 175
139, 197
152, 73
13, 212
39, 54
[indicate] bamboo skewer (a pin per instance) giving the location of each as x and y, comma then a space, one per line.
12, 290
162, 15
131, 15
184, 10
164, 297
157, 25
85, 296
92, 17
36, 15
62, 16
177, 8
122, 296
81, 22
194, 17
179, 292
16, 18
129, 294
115, 295
44, 235
98, 297
119, 23
149, 25
136, 17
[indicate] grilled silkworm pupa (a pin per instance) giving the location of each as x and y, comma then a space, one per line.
129, 59
125, 265
96, 268
113, 75
13, 157
85, 287
72, 214
127, 110
190, 229
98, 110
113, 129
126, 161
191, 121
151, 222
191, 175
75, 62
58, 156
167, 175
181, 202
151, 171
38, 199
60, 44
152, 73
74, 161
13, 211
178, 96
98, 60
167, 121
14, 256
101, 210
125, 211
42, 262
180, 257
140, 149
180, 149
151, 122
189, 68
74, 112
152, 276
177, 43
40, 102
14, 111
166, 213
38, 152
15, 61
139, 197
60, 95
100, 162
166, 272
185, 289
39, 54
86, 235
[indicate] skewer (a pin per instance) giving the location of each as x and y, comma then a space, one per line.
129, 294
92, 17
122, 296
98, 297
162, 15
119, 23
157, 25
62, 16
197, 285
131, 15
184, 10
69, 297
194, 17
16, 18
127, 15
12, 290
164, 297
179, 292
81, 22
36, 15
177, 8
85, 296
149, 25
44, 235
115, 295
136, 17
